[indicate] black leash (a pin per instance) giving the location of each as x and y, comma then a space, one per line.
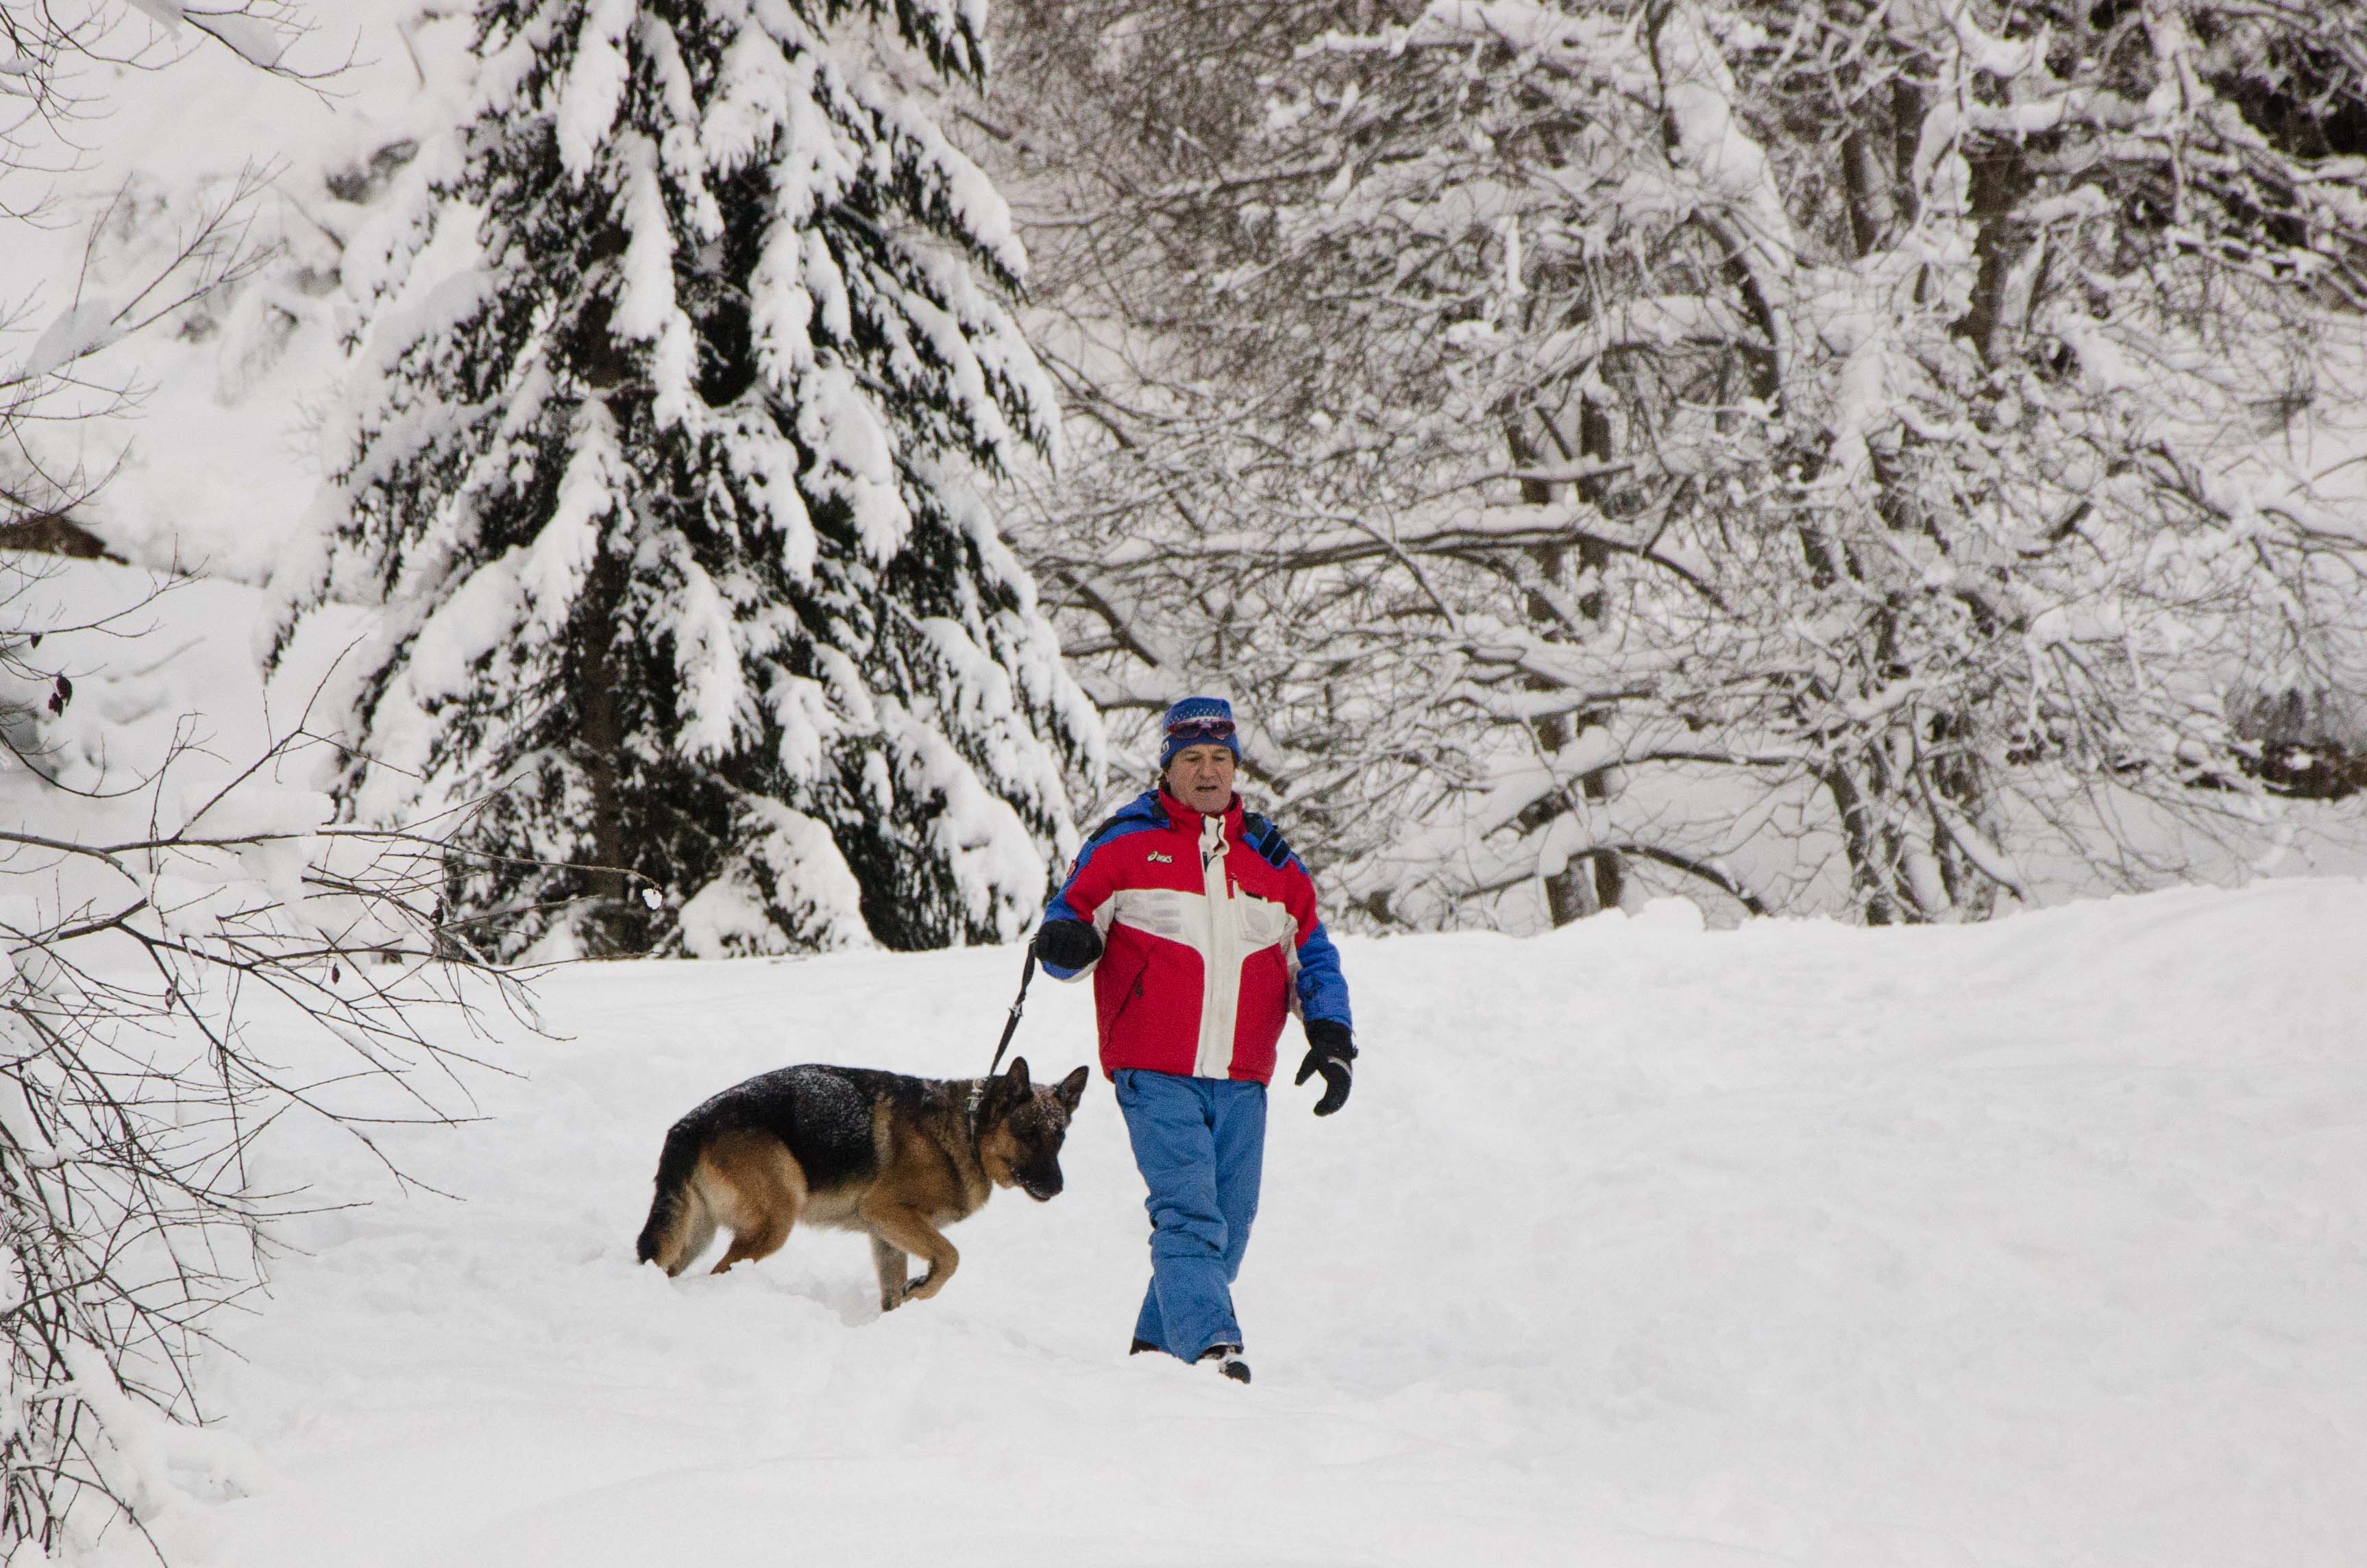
1011, 1026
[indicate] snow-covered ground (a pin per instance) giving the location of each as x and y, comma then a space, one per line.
2039, 1242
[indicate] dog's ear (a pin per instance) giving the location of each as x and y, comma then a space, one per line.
1013, 1086
1073, 1088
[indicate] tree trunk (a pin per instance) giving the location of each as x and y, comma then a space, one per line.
1593, 559
1575, 890
1998, 183
1870, 877
611, 922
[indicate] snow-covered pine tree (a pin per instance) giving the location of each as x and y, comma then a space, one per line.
664, 482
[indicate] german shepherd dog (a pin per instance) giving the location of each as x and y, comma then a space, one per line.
854, 1150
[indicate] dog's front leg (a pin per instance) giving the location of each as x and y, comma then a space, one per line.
889, 1259
914, 1231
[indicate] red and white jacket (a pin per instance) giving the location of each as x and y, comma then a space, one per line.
1208, 942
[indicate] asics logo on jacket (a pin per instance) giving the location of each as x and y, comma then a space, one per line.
1207, 946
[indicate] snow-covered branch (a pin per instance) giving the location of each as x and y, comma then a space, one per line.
1875, 393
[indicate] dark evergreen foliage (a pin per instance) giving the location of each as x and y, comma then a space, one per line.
666, 495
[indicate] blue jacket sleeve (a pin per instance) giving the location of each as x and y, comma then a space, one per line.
1061, 909
1322, 989
1087, 887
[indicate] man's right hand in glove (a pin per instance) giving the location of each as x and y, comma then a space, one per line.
1067, 944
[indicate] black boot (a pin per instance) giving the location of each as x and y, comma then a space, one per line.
1228, 1360
1139, 1345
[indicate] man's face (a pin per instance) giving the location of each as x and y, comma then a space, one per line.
1202, 778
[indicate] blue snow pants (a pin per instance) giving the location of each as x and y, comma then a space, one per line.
1200, 1144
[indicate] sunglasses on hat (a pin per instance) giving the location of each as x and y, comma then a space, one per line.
1201, 730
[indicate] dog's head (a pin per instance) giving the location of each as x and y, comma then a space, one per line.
1020, 1128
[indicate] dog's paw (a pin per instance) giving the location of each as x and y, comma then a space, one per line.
923, 1287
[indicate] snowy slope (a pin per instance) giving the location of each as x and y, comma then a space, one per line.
2040, 1242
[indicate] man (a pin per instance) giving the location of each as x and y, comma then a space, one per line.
1198, 925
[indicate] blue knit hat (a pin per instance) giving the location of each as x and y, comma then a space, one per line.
1196, 722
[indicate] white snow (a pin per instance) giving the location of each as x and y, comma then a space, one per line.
80, 330
253, 37
165, 11
588, 103
809, 883
2037, 1243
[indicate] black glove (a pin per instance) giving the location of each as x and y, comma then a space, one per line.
1067, 944
1329, 1049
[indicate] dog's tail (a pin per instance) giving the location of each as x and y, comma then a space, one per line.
663, 1233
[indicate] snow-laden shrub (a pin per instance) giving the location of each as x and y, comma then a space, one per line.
190, 950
